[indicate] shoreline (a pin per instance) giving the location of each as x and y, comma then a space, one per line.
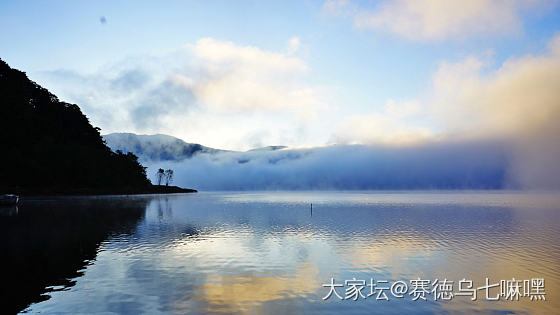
154, 189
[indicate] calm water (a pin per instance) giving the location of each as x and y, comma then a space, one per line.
267, 253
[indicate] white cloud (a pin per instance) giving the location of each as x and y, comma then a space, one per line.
293, 45
436, 20
396, 124
217, 54
469, 99
519, 97
337, 7
213, 92
517, 102
245, 78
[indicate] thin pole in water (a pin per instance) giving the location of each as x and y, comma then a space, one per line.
311, 209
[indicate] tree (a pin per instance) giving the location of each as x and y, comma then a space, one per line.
160, 174
168, 177
33, 123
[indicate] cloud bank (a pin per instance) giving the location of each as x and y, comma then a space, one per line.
428, 166
437, 20
518, 102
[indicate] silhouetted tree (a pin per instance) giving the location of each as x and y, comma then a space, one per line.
160, 174
168, 177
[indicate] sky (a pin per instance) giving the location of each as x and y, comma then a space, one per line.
244, 74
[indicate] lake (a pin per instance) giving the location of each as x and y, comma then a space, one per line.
272, 253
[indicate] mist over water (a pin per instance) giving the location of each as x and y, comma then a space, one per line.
471, 165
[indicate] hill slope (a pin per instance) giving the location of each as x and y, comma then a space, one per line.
155, 147
49, 146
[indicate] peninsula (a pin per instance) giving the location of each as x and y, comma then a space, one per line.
48, 146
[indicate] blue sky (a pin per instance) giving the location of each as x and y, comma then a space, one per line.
240, 74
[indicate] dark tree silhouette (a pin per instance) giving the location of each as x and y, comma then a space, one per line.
160, 174
168, 177
47, 145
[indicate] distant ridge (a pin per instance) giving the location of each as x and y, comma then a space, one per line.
160, 147
156, 147
269, 148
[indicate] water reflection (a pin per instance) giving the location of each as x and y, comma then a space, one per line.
45, 244
264, 253
8, 210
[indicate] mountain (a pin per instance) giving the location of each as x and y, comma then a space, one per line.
155, 147
49, 146
161, 147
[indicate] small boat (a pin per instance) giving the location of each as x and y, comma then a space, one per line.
9, 200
